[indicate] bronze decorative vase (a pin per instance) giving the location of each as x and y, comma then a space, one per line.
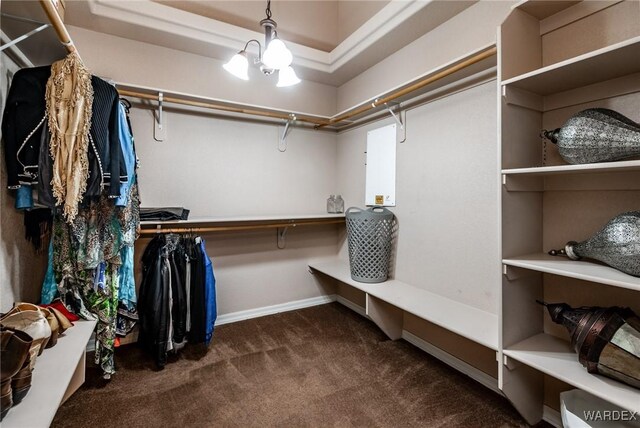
607, 340
596, 135
617, 244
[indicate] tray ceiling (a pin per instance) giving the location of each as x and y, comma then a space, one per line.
332, 41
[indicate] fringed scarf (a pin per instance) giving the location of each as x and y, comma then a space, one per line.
69, 100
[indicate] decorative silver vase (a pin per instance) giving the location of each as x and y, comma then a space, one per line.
596, 135
607, 340
617, 244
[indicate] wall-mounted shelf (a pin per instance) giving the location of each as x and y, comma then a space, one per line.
465, 320
555, 357
227, 224
544, 9
59, 371
579, 269
603, 64
622, 166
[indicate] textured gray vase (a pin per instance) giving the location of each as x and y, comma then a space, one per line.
617, 244
596, 135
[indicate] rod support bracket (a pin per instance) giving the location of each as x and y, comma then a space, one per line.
282, 142
282, 234
400, 118
160, 128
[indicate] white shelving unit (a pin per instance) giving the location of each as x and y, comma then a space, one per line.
545, 75
580, 269
603, 64
622, 166
465, 320
58, 373
555, 357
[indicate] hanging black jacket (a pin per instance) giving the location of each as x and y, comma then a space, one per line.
25, 109
153, 302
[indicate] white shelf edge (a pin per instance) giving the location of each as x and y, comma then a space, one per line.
554, 357
283, 217
621, 166
339, 270
581, 269
571, 61
53, 371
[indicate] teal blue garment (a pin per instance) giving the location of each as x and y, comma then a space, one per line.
49, 286
128, 152
127, 291
24, 198
209, 294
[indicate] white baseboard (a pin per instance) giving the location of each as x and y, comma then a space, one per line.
552, 416
257, 312
463, 367
274, 309
354, 307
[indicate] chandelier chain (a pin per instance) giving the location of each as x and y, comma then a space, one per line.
268, 10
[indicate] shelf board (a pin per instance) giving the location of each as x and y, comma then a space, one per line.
542, 9
614, 61
555, 357
51, 377
467, 321
579, 269
244, 219
623, 166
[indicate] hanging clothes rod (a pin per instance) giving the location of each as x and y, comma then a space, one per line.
58, 25
334, 122
210, 229
65, 39
413, 87
217, 106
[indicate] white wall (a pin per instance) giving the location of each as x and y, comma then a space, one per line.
144, 64
219, 167
446, 193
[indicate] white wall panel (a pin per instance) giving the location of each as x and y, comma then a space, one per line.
447, 196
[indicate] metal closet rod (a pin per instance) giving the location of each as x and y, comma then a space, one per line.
215, 106
210, 229
58, 25
414, 87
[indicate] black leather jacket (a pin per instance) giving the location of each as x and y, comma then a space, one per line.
163, 272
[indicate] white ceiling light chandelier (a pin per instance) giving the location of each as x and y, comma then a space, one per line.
276, 56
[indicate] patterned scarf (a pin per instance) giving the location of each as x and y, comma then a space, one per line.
69, 100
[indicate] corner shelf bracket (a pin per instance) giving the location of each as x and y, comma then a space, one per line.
160, 128
282, 143
510, 363
401, 120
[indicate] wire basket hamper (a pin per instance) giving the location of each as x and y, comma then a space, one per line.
370, 236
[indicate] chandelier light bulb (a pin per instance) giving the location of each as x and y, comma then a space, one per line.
287, 77
277, 56
238, 65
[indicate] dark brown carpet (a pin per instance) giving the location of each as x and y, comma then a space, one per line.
315, 367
